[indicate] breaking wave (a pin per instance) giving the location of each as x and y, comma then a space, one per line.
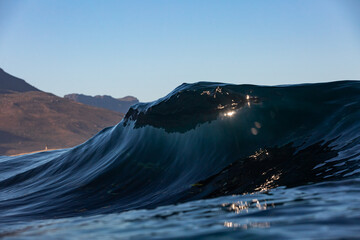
203, 140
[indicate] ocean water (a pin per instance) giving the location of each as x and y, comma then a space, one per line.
207, 161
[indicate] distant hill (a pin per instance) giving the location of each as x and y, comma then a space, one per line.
120, 105
9, 83
32, 120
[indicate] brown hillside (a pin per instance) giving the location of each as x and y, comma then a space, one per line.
31, 121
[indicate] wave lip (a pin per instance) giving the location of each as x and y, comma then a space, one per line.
187, 106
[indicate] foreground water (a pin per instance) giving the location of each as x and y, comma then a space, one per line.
208, 161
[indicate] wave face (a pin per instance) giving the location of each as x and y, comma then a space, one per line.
201, 141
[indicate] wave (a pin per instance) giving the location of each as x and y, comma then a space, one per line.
202, 140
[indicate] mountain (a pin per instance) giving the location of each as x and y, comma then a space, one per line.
32, 120
9, 83
120, 105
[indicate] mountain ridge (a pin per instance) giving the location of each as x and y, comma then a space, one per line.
120, 105
10, 83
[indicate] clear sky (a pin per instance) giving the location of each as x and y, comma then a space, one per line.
147, 48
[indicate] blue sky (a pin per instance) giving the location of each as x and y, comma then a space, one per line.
147, 48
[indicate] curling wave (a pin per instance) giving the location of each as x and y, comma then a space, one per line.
203, 140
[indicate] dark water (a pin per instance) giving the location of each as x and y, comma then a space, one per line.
208, 161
